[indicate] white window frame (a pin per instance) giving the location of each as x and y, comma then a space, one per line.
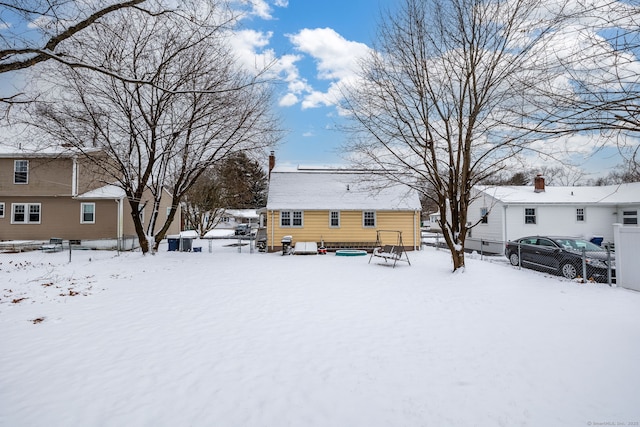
16, 171
332, 217
82, 212
484, 215
285, 215
27, 213
1, 209
533, 215
365, 218
295, 219
581, 214
630, 217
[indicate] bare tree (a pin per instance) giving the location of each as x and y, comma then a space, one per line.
435, 101
35, 31
204, 203
199, 108
600, 65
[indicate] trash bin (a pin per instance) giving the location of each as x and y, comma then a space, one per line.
174, 242
597, 240
286, 244
186, 244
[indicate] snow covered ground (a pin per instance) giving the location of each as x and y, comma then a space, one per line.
239, 339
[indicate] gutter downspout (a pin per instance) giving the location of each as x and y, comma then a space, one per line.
119, 225
74, 176
415, 233
504, 226
272, 230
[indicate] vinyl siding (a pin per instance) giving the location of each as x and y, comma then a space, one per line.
47, 177
59, 217
316, 228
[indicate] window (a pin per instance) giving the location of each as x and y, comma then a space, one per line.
291, 219
630, 217
25, 213
141, 215
580, 214
368, 219
530, 215
87, 213
1, 209
21, 172
285, 219
484, 215
168, 211
334, 219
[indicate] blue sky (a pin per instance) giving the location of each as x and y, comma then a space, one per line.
319, 41
316, 44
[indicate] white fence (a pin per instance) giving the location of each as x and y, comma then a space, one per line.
627, 241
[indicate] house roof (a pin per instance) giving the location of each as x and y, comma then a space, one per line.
241, 213
619, 194
105, 192
339, 189
32, 152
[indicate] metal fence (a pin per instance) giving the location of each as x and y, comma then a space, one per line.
570, 258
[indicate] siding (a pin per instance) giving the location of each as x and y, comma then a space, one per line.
316, 228
59, 217
47, 177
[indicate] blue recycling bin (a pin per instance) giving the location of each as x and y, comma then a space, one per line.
174, 243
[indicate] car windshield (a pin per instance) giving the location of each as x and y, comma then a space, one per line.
578, 244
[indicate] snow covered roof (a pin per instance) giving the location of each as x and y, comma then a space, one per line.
33, 152
619, 194
105, 192
241, 213
339, 189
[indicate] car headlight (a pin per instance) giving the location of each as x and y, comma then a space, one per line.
596, 263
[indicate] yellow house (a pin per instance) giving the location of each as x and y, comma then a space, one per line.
339, 208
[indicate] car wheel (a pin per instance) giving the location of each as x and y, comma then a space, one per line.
514, 259
569, 271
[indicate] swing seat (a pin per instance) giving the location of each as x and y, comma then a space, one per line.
390, 253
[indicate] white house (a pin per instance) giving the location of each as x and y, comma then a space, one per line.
506, 213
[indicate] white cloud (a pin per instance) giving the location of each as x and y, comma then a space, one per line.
308, 134
288, 100
262, 8
337, 57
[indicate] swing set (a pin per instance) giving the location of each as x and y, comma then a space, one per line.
390, 253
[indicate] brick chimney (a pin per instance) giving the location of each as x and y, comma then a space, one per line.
272, 162
538, 184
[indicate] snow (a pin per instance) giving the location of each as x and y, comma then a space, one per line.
335, 189
232, 338
628, 193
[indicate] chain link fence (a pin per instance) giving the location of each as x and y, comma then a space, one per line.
567, 257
